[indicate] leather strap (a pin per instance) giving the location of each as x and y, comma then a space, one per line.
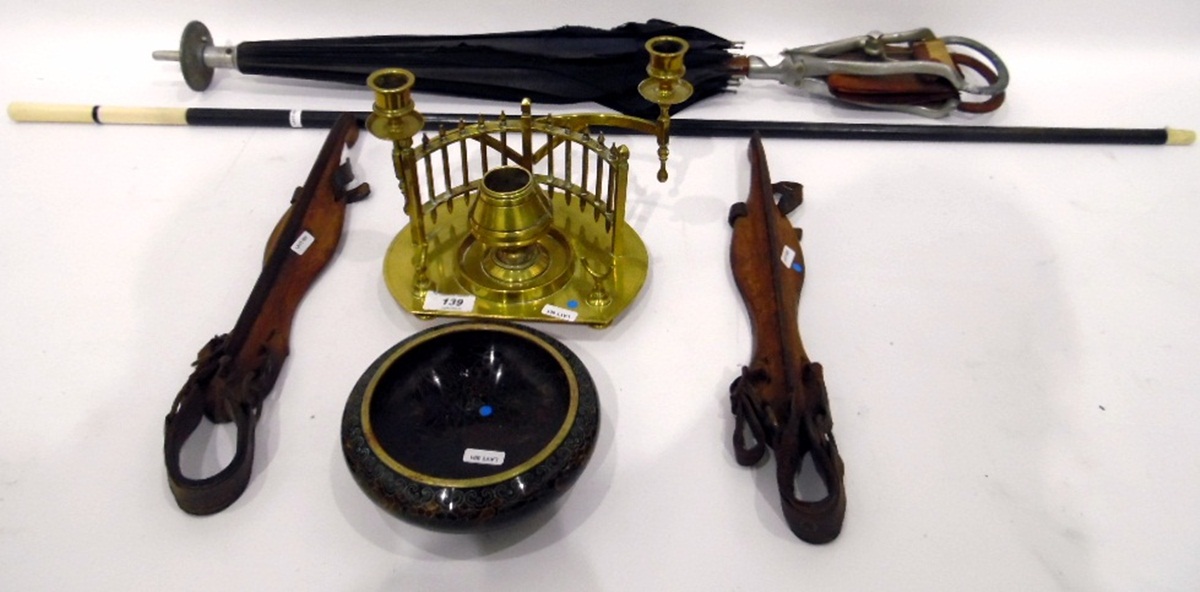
912, 89
811, 433
992, 103
217, 492
741, 396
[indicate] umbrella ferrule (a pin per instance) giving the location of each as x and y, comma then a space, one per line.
198, 57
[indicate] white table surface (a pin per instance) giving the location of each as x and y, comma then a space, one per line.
1010, 332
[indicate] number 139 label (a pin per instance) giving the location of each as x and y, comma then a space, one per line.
449, 302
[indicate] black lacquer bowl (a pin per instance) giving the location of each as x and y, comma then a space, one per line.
468, 425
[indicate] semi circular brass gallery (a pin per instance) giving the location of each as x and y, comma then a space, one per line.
470, 424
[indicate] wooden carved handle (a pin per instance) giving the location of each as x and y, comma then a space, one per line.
235, 372
780, 398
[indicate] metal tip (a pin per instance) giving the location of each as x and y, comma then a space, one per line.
166, 55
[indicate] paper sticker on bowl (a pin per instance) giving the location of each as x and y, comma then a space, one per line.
476, 456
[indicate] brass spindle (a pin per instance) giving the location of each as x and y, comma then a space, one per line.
567, 155
622, 167
527, 135
503, 139
431, 190
611, 196
550, 162
462, 151
600, 168
483, 163
582, 185
583, 151
445, 151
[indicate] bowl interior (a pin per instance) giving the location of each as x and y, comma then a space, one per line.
470, 404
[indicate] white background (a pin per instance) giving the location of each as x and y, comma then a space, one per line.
1009, 332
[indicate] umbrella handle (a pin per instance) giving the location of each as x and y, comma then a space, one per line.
913, 71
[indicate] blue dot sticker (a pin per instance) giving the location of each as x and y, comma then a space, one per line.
486, 410
572, 304
797, 267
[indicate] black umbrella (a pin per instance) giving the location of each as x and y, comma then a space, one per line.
574, 64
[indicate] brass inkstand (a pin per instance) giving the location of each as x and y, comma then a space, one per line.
533, 231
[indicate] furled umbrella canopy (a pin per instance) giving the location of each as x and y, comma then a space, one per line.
911, 71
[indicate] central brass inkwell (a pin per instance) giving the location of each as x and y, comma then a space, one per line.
520, 218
